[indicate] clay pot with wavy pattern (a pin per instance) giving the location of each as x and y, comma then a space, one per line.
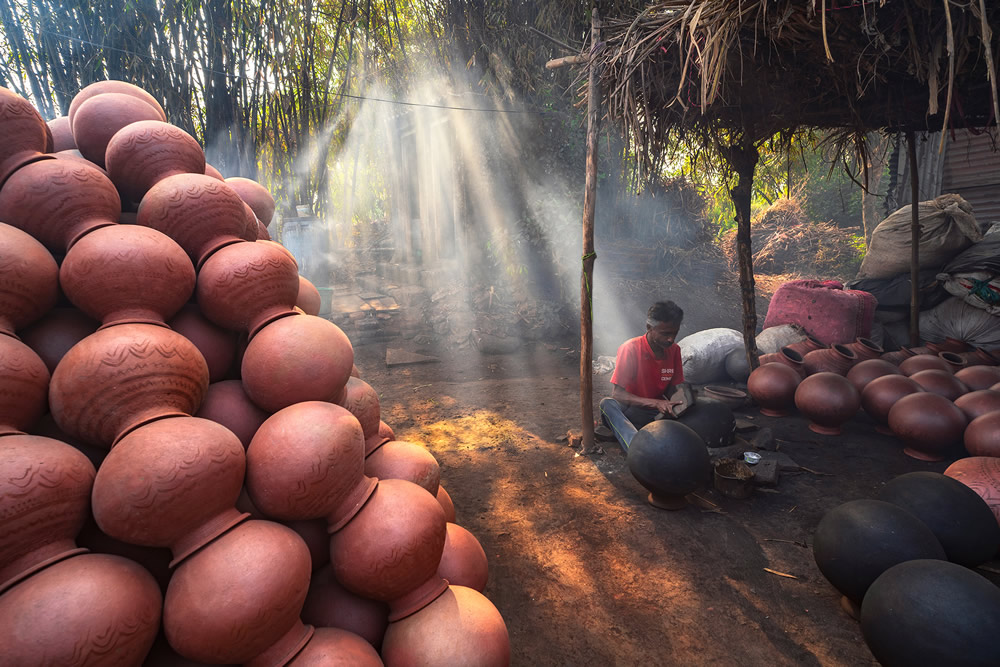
362, 401
127, 274
59, 330
772, 387
835, 359
929, 424
804, 347
237, 600
979, 377
98, 119
58, 202
216, 344
329, 604
787, 356
398, 459
982, 435
463, 562
226, 403
245, 286
124, 376
199, 212
332, 646
295, 359
262, 233
93, 609
257, 197
142, 154
879, 395
62, 134
940, 382
982, 475
898, 356
827, 400
214, 173
112, 86
865, 371
446, 503
155, 560
978, 403
192, 474
865, 348
923, 362
29, 280
44, 501
75, 156
25, 135
308, 299
25, 385
428, 636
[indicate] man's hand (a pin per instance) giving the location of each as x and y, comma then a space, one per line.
666, 408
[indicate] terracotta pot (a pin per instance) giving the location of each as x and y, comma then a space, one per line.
238, 599
142, 154
463, 562
773, 388
76, 156
112, 86
670, 460
404, 460
29, 280
257, 197
898, 356
262, 233
881, 394
865, 371
940, 382
295, 359
25, 135
226, 403
214, 173
155, 560
787, 356
60, 329
713, 421
216, 344
192, 474
978, 403
948, 345
923, 362
446, 504
330, 605
308, 299
44, 501
124, 376
865, 348
362, 401
955, 361
806, 346
25, 385
199, 212
245, 286
979, 357
856, 542
929, 424
733, 398
314, 533
307, 462
982, 435
127, 274
47, 428
982, 475
835, 359
428, 637
331, 647
391, 549
979, 377
93, 609
58, 202
827, 400
98, 119
62, 134
356, 372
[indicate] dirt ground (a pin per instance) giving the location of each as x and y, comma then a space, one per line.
584, 571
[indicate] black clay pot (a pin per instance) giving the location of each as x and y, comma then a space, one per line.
859, 540
958, 517
670, 460
930, 612
712, 420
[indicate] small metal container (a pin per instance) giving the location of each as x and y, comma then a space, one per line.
753, 458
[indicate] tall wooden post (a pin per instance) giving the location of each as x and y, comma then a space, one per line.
743, 159
911, 149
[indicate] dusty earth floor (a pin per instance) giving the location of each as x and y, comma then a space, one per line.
584, 571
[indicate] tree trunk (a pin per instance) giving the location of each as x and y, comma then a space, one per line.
743, 160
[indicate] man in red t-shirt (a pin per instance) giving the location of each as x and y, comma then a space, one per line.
646, 368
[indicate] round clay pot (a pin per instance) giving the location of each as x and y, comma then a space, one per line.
216, 344
226, 403
25, 385
898, 356
245, 286
76, 156
112, 86
463, 562
804, 347
928, 612
199, 212
98, 119
29, 280
332, 647
262, 233
330, 605
827, 400
237, 600
734, 398
308, 299
446, 503
44, 501
62, 134
979, 377
865, 371
192, 474
865, 348
214, 173
881, 394
25, 135
124, 376
978, 403
787, 356
142, 154
948, 345
982, 475
712, 420
979, 357
362, 401
955, 361
962, 522
923, 362
772, 387
428, 637
929, 424
982, 435
404, 460
60, 329
942, 383
314, 533
93, 609
835, 359
257, 197
856, 542
295, 359
58, 202
670, 460
127, 274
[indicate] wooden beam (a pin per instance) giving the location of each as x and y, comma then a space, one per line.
743, 159
911, 150
567, 60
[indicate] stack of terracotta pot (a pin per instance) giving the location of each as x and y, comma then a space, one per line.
232, 429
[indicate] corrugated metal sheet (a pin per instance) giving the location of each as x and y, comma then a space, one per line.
972, 169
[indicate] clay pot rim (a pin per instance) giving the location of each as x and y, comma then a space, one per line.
952, 358
792, 355
870, 344
844, 350
39, 566
728, 392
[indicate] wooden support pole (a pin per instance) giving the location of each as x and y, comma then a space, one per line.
743, 159
911, 149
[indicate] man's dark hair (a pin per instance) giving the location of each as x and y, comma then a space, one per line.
665, 311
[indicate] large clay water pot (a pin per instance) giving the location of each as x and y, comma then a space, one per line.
787, 356
929, 612
898, 356
29, 280
923, 362
942, 383
124, 376
262, 233
257, 197
98, 118
856, 542
25, 385
865, 371
199, 212
670, 460
155, 560
216, 344
982, 435
309, 300
58, 202
982, 475
955, 361
428, 636
112, 86
226, 403
773, 388
329, 604
712, 420
214, 173
865, 348
296, 359
142, 154
397, 459
835, 359
463, 562
332, 647
25, 134
444, 499
383, 435
62, 134
880, 394
978, 403
827, 400
92, 609
979, 377
127, 274
804, 347
979, 357
44, 501
56, 332
929, 424
958, 517
362, 401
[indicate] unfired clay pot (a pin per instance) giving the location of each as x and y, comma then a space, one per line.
881, 394
979, 377
29, 280
670, 460
25, 134
362, 401
865, 371
112, 86
446, 503
982, 475
142, 154
978, 403
404, 460
929, 424
982, 435
308, 299
216, 344
773, 388
923, 362
226, 403
463, 562
329, 604
827, 400
835, 359
940, 382
60, 329
256, 196
98, 119
25, 385
62, 134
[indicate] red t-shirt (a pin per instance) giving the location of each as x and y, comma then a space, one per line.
638, 372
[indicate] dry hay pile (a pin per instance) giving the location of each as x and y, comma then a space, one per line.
785, 241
